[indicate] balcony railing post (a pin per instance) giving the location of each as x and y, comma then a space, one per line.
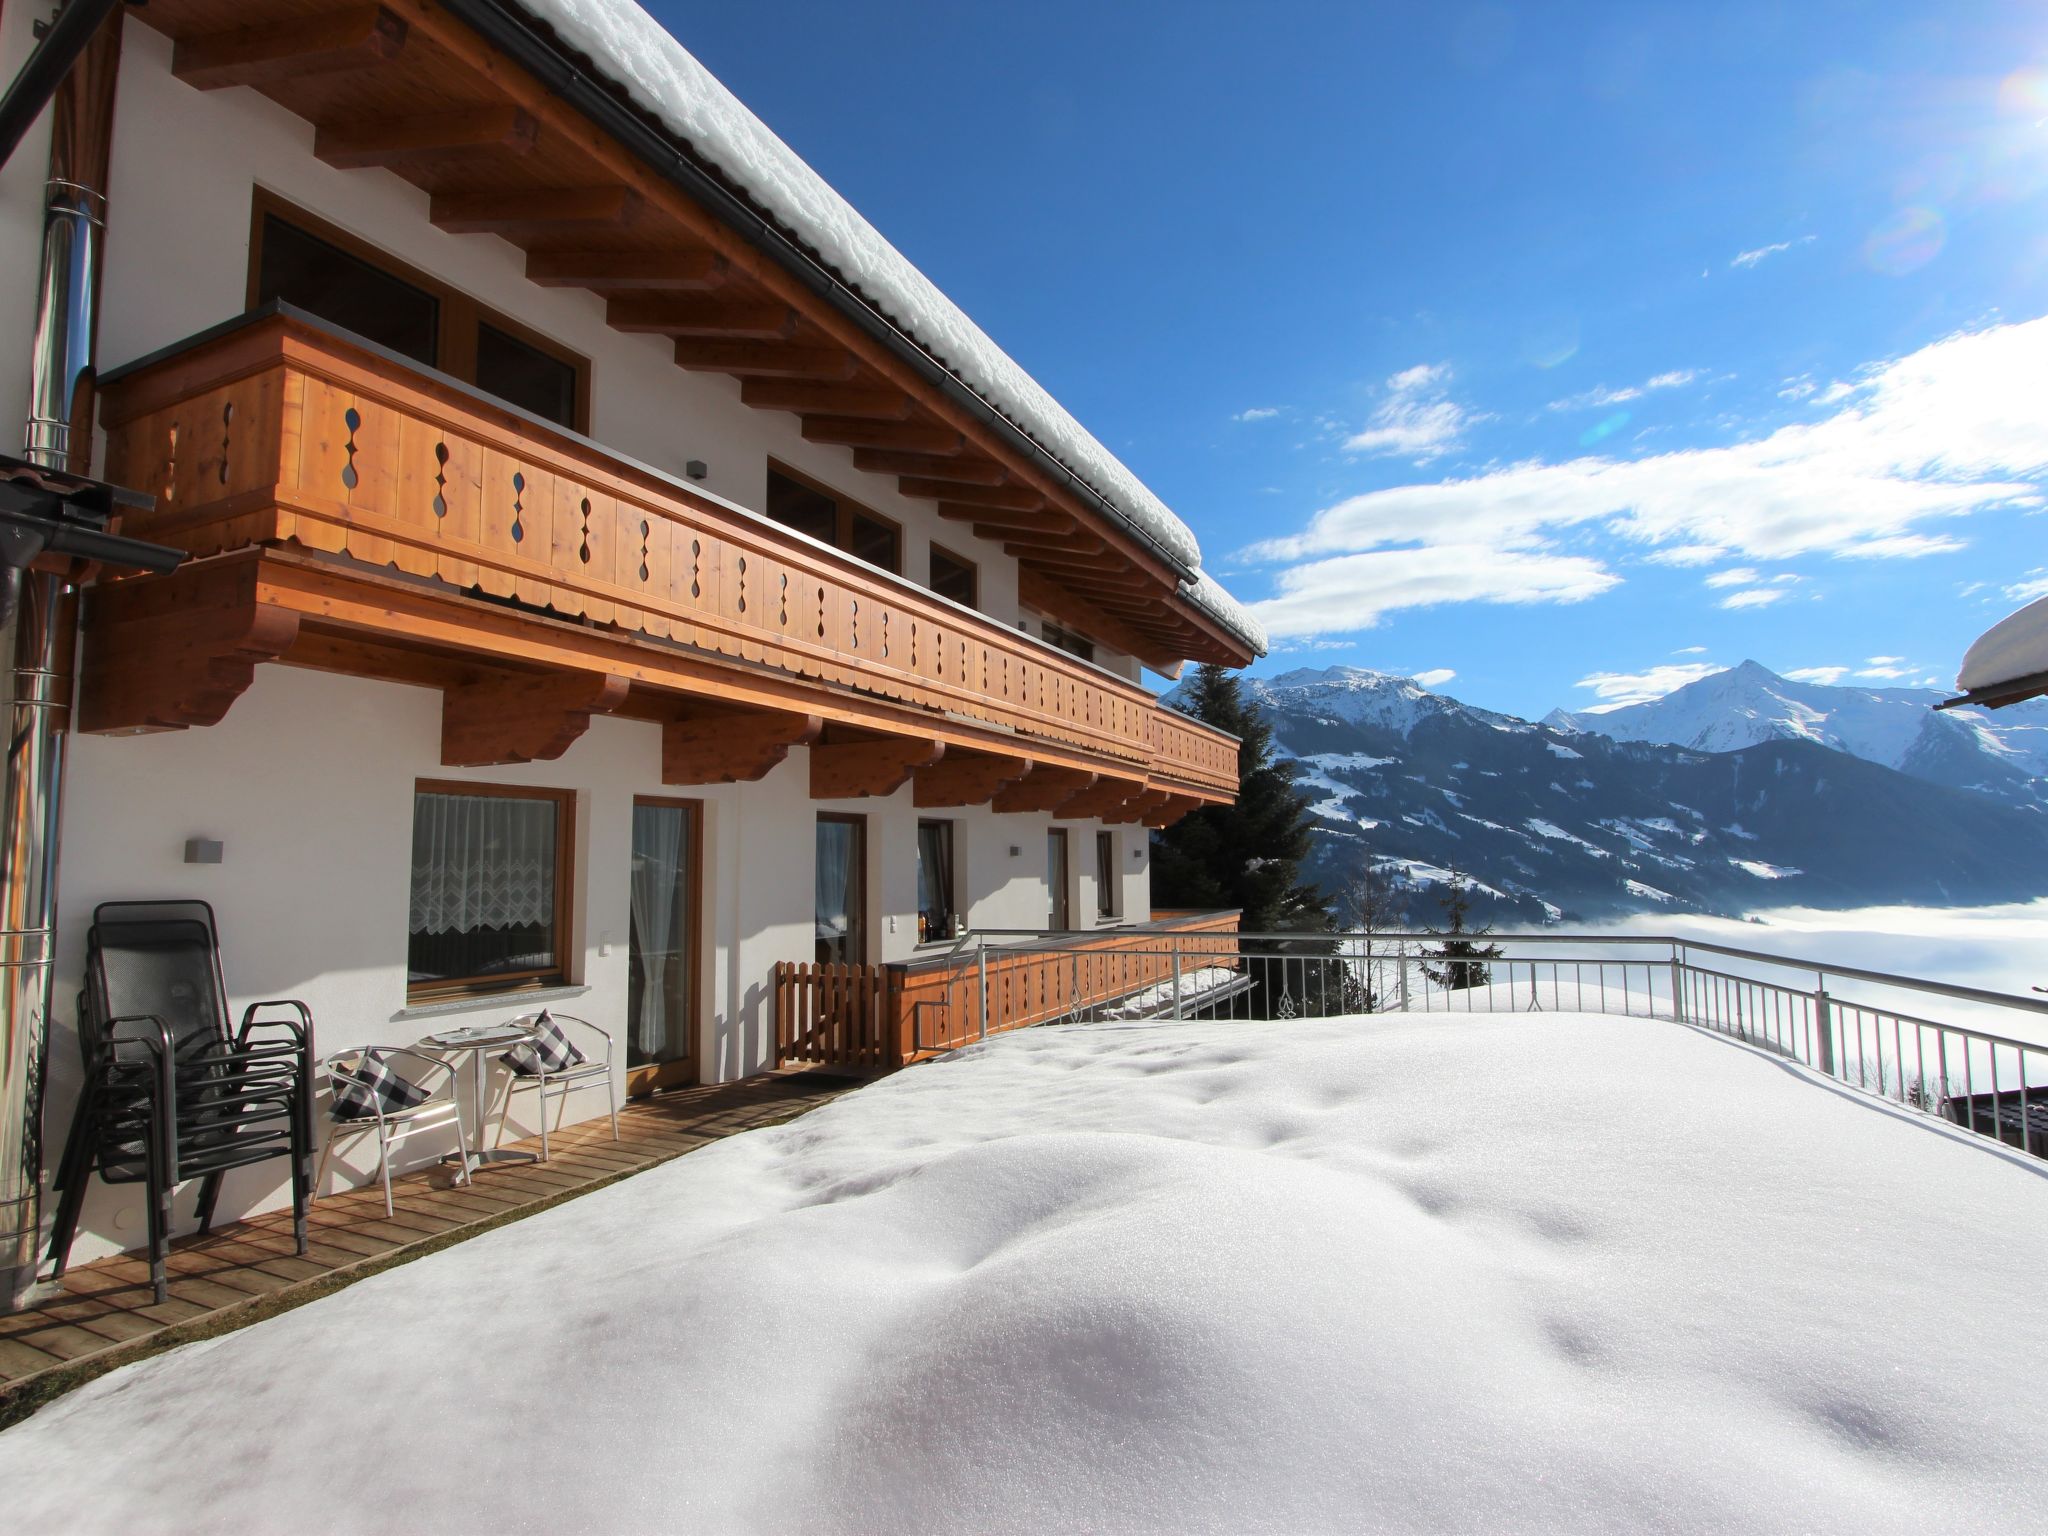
1401, 966
1176, 982
1677, 987
1823, 1029
981, 971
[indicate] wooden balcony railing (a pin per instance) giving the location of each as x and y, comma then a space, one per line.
275, 431
878, 1017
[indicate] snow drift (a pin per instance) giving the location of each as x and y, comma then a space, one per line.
1555, 1273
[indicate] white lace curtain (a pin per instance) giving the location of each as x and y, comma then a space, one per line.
835, 869
482, 861
658, 854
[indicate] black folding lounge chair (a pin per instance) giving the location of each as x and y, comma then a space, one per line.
170, 1093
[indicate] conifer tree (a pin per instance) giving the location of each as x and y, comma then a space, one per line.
1462, 963
1246, 855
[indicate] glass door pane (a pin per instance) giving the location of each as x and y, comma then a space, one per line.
661, 984
1056, 876
842, 890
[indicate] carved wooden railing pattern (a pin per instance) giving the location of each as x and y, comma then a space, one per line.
278, 431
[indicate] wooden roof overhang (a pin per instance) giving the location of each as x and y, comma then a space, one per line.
347, 511
623, 209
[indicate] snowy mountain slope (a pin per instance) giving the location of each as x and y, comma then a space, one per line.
2003, 754
1558, 826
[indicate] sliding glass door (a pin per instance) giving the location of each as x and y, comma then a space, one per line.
661, 987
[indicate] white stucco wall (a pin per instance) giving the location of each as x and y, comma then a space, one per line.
309, 785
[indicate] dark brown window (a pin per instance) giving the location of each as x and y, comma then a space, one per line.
1106, 881
935, 900
491, 873
842, 889
955, 578
1068, 641
800, 503
314, 266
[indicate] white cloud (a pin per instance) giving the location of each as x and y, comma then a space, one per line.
2035, 586
1827, 675
1764, 252
1942, 432
1615, 689
1435, 677
1687, 554
1885, 669
1754, 597
1690, 650
1352, 592
1257, 413
1801, 388
1739, 576
1600, 396
1418, 420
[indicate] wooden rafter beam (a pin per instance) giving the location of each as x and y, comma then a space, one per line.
518, 717
547, 210
1053, 524
1138, 807
855, 432
1002, 498
850, 770
962, 471
732, 746
356, 38
400, 141
166, 652
1171, 810
765, 359
807, 395
1041, 789
1035, 591
1104, 799
965, 778
686, 315
684, 271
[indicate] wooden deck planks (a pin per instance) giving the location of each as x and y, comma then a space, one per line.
105, 1311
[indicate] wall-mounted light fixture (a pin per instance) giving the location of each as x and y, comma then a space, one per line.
696, 469
204, 850
1015, 850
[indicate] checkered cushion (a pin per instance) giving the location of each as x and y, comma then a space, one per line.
373, 1087
549, 1051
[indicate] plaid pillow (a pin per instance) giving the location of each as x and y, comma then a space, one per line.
549, 1051
373, 1087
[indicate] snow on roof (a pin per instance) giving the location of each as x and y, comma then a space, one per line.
2013, 648
1168, 1277
639, 56
1207, 593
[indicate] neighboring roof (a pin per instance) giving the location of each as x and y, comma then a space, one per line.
636, 54
2009, 662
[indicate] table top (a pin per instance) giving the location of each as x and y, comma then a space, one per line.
474, 1037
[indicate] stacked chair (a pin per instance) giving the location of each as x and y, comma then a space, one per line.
171, 1093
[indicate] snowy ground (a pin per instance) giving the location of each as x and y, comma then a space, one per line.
1556, 1273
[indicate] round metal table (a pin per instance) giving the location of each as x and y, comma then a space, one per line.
479, 1040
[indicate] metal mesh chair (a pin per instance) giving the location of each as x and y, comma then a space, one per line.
560, 1083
171, 1093
391, 1125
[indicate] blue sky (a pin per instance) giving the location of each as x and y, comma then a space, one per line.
1535, 344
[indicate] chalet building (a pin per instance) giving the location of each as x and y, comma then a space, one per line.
614, 577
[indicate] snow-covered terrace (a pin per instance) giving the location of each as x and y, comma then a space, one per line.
1551, 1272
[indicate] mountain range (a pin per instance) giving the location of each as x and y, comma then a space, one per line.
1775, 794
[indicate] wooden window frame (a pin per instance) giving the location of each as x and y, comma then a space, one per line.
843, 508
1064, 637
653, 1076
972, 567
508, 982
1108, 882
459, 315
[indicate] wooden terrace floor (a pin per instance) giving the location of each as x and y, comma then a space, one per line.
105, 1314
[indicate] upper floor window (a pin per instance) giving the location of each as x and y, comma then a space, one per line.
323, 270
803, 504
1068, 641
955, 578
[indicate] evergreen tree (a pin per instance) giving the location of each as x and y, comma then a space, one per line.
1246, 855
1463, 963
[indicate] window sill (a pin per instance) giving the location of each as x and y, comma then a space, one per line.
497, 1000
